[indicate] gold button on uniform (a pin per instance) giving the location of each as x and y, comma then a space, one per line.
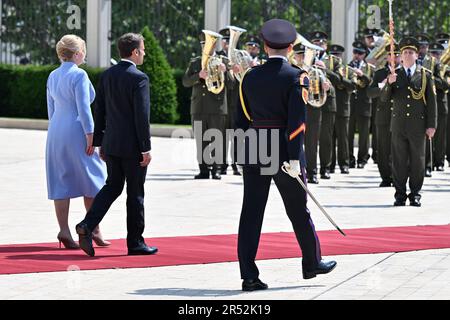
408, 105
204, 94
409, 97
407, 114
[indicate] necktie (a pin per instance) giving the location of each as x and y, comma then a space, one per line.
409, 74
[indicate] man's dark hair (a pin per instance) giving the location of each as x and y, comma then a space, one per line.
127, 43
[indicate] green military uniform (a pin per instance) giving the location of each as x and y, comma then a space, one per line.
314, 116
360, 114
414, 110
208, 108
329, 110
439, 140
341, 130
232, 101
382, 122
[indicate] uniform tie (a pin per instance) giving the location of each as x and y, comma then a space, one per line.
409, 74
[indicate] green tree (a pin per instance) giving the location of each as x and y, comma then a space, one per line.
163, 91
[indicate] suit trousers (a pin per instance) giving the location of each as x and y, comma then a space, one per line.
363, 125
341, 136
408, 161
205, 158
256, 192
384, 152
312, 134
326, 140
121, 170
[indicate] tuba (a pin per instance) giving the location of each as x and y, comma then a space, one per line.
215, 81
317, 96
379, 54
445, 65
236, 56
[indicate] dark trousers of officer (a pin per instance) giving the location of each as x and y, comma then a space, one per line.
326, 140
312, 133
341, 137
230, 142
209, 121
121, 170
439, 144
363, 125
256, 192
383, 133
408, 160
373, 131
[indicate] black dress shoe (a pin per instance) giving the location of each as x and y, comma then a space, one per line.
236, 172
322, 268
399, 203
85, 239
332, 171
385, 184
202, 175
142, 250
325, 175
415, 202
440, 168
428, 172
253, 284
216, 175
361, 165
344, 170
313, 179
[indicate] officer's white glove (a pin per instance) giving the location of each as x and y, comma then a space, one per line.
293, 168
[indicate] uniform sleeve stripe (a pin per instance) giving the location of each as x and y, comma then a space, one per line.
294, 134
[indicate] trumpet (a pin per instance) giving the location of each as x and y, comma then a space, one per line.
215, 81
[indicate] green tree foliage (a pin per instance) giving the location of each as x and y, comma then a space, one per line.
163, 91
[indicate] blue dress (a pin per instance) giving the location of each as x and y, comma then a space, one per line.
71, 173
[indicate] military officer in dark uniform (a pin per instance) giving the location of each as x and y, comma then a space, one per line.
273, 100
232, 99
413, 119
329, 65
314, 116
440, 139
343, 92
253, 47
369, 38
360, 105
383, 118
207, 108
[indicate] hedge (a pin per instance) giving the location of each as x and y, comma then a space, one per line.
23, 93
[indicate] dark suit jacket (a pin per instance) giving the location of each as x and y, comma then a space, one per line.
272, 94
383, 109
122, 112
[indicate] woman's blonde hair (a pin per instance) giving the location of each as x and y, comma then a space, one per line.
68, 46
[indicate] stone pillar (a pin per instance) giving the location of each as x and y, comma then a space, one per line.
98, 32
344, 24
217, 14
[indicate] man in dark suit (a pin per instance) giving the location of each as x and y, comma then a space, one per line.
273, 104
414, 117
122, 130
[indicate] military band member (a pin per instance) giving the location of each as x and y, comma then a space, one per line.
440, 139
413, 119
343, 92
253, 47
329, 65
232, 99
383, 118
273, 98
314, 116
207, 108
369, 38
360, 106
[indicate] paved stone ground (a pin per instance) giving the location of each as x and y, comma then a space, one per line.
178, 205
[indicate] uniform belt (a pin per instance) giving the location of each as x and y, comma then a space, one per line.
268, 124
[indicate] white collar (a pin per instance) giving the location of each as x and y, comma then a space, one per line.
412, 68
126, 60
280, 57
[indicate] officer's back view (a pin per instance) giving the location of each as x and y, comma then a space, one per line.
273, 100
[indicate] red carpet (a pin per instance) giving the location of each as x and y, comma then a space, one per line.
47, 257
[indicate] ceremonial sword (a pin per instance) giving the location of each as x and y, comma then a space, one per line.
283, 167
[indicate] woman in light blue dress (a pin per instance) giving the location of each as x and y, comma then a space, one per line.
73, 167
